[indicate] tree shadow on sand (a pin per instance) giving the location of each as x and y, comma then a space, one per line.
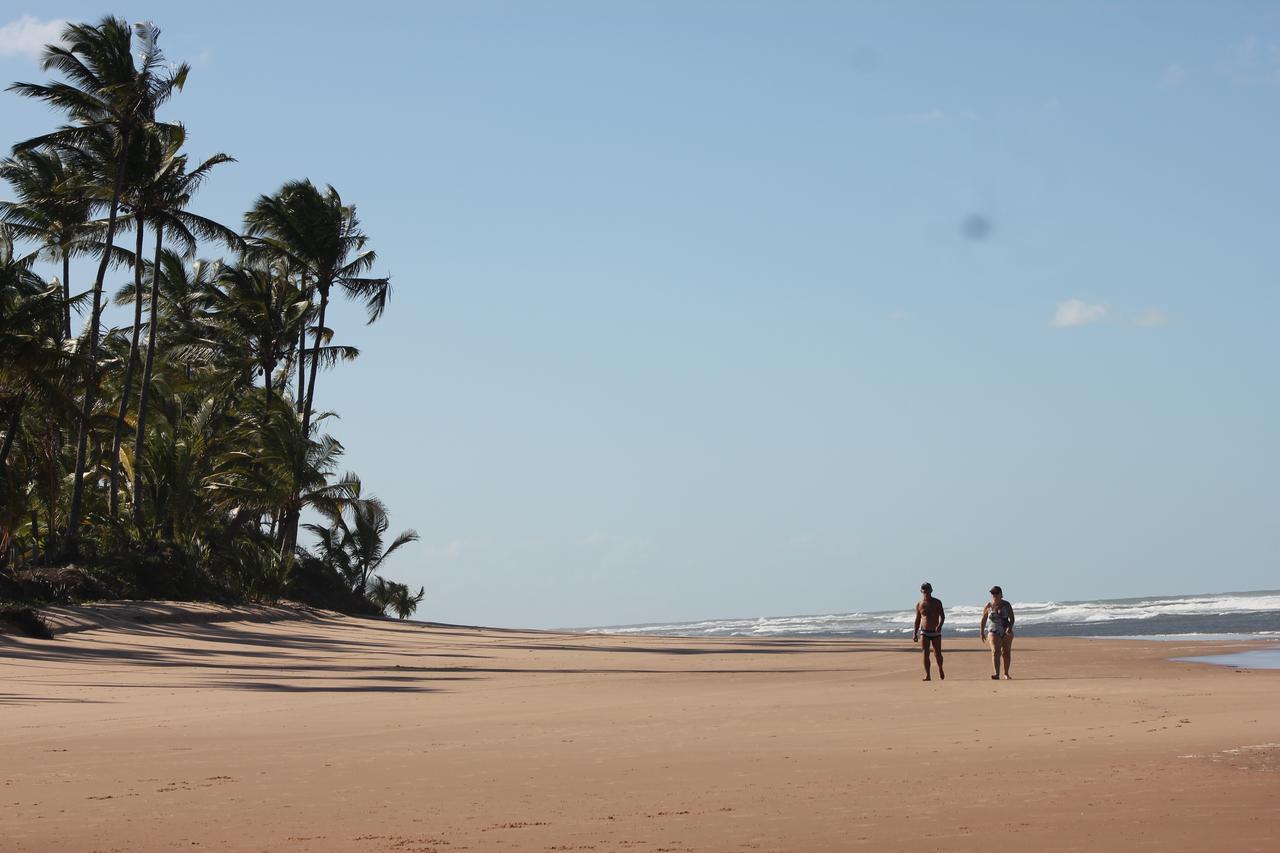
320, 654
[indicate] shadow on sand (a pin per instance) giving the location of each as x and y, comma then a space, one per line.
321, 655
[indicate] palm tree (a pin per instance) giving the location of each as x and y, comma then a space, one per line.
108, 95
50, 211
31, 356
259, 312
354, 541
403, 603
134, 187
32, 364
157, 191
163, 203
276, 467
222, 467
244, 321
327, 356
182, 287
320, 238
396, 597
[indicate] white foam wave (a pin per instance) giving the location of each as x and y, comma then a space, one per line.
964, 618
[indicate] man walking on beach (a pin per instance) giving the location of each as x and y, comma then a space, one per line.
929, 610
1000, 614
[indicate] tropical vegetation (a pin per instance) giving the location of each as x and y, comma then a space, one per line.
177, 455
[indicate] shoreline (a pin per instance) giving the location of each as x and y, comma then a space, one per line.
65, 619
325, 732
1250, 658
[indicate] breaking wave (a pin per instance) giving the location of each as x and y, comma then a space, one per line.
1220, 613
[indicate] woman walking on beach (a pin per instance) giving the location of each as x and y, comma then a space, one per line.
1000, 613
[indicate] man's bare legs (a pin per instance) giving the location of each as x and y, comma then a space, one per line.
936, 642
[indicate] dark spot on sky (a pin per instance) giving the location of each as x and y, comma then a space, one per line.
976, 227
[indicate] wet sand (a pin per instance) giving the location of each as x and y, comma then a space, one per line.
159, 728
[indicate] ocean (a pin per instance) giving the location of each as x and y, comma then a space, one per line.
1242, 615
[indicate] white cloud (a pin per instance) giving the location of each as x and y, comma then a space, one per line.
27, 36
1173, 77
1151, 318
1251, 61
1076, 312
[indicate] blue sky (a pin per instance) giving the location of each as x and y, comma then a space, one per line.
729, 309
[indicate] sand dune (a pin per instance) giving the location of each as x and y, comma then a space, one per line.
161, 727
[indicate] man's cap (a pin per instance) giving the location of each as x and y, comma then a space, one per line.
926, 587
995, 590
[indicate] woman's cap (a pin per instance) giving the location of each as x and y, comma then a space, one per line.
995, 590
926, 587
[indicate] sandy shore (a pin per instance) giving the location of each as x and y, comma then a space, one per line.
255, 729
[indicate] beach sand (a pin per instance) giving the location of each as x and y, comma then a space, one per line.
177, 727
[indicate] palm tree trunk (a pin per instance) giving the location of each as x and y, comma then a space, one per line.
267, 369
288, 365
302, 362
118, 437
57, 435
294, 515
66, 292
302, 344
140, 435
315, 361
71, 544
289, 531
54, 438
